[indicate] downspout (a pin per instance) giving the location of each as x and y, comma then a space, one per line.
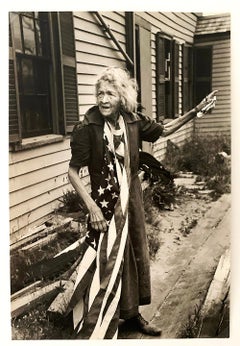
110, 33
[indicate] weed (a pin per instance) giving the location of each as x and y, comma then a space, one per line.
72, 202
37, 325
153, 242
187, 225
191, 328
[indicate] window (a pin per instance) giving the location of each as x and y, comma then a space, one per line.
31, 39
167, 77
203, 72
42, 74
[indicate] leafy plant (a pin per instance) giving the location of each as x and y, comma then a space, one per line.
200, 155
71, 201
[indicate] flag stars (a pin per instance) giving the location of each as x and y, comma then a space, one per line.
114, 195
109, 187
110, 166
104, 204
100, 191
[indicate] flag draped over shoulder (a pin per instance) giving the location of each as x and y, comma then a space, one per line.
97, 290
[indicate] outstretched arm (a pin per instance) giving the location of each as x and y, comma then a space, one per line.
206, 104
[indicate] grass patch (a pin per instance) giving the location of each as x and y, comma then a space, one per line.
191, 328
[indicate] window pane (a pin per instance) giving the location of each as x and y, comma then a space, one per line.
38, 37
27, 76
29, 36
36, 115
14, 20
203, 62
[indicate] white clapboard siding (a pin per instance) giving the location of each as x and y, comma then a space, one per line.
179, 138
34, 177
95, 50
29, 192
168, 23
36, 152
219, 121
37, 178
36, 164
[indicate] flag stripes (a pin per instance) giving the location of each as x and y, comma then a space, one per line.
98, 317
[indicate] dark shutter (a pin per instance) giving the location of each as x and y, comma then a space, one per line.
187, 78
14, 121
68, 62
175, 78
203, 72
160, 76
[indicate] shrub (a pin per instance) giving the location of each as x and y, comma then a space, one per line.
200, 155
71, 201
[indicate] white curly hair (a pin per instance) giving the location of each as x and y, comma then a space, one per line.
124, 84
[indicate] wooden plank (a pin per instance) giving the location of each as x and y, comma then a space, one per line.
115, 17
95, 69
84, 89
25, 155
95, 28
26, 290
84, 25
29, 192
26, 207
34, 177
23, 304
39, 243
90, 37
71, 247
40, 231
19, 225
35, 164
87, 99
165, 22
90, 48
61, 302
98, 58
115, 22
215, 297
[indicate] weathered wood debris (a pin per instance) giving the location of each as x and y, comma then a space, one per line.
50, 275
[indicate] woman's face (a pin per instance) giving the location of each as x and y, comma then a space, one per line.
108, 100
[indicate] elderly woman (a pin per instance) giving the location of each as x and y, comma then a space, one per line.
113, 276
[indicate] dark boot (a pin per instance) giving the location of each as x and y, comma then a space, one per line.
143, 326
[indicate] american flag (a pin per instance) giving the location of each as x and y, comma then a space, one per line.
97, 290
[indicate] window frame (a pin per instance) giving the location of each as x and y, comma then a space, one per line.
65, 109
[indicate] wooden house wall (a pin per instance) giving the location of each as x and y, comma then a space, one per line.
219, 121
38, 176
37, 179
95, 51
181, 27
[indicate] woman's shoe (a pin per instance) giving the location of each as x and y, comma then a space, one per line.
143, 326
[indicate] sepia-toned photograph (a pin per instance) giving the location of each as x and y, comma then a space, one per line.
119, 175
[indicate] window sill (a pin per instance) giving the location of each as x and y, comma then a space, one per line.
34, 142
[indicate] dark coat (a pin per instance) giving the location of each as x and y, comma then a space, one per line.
88, 150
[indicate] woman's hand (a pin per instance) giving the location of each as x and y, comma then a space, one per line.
97, 220
206, 104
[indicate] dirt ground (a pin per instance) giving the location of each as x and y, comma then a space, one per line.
172, 227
